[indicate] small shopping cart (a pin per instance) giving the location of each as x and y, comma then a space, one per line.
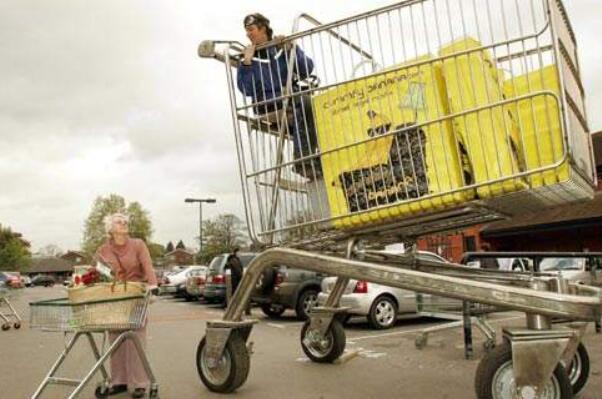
8, 314
85, 319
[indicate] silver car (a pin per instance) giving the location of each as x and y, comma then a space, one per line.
381, 304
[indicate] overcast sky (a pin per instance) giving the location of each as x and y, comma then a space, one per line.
100, 97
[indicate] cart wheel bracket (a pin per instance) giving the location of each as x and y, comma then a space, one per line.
218, 333
321, 317
535, 354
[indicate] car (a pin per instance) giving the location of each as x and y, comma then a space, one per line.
43, 280
577, 267
382, 305
215, 287
174, 283
282, 287
12, 279
195, 284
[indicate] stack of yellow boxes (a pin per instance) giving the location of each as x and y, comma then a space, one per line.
538, 117
377, 151
490, 135
410, 139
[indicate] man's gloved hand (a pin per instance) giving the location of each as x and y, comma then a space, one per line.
248, 54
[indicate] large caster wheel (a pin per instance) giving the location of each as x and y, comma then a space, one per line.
230, 372
323, 349
16, 325
495, 378
5, 326
578, 370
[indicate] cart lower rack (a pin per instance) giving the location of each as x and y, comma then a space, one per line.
122, 315
8, 314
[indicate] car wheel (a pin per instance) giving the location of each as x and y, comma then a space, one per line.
383, 313
265, 282
272, 310
306, 301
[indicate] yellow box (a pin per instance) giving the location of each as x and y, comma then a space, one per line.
539, 120
489, 135
365, 171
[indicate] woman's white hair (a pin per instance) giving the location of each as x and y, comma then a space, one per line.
110, 219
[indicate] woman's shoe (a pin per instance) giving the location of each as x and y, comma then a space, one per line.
138, 393
114, 390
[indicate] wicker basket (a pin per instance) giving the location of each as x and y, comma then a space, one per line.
102, 291
107, 305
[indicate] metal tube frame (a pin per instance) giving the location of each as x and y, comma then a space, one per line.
99, 365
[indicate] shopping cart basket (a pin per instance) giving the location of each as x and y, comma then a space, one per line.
421, 117
8, 314
85, 319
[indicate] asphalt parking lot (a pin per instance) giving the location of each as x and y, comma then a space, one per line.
380, 364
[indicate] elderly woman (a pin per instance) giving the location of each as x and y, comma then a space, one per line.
130, 261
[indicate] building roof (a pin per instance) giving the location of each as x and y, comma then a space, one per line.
49, 264
588, 213
180, 250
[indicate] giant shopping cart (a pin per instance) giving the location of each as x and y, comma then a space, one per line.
84, 319
8, 314
421, 117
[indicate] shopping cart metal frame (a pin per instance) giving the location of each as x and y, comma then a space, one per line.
61, 315
11, 314
300, 234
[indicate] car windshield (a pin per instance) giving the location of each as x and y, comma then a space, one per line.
560, 264
216, 263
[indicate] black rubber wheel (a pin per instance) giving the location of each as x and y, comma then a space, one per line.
16, 325
272, 310
101, 392
305, 302
383, 313
153, 393
494, 378
265, 283
578, 370
231, 370
327, 349
5, 326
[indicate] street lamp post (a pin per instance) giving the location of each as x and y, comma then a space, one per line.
200, 201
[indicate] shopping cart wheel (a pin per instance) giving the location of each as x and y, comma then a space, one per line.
153, 393
231, 371
323, 348
16, 325
495, 377
578, 370
5, 326
101, 391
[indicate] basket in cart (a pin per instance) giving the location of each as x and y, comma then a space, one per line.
119, 313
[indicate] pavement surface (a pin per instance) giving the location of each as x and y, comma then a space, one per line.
381, 364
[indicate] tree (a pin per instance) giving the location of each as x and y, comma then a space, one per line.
156, 251
221, 235
14, 250
180, 245
94, 230
169, 247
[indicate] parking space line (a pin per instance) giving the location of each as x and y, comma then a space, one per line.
418, 330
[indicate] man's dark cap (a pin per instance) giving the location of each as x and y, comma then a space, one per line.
256, 19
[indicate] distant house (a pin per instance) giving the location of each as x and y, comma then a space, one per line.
76, 257
179, 257
58, 268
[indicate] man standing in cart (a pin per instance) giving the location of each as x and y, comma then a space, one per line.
263, 75
130, 260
